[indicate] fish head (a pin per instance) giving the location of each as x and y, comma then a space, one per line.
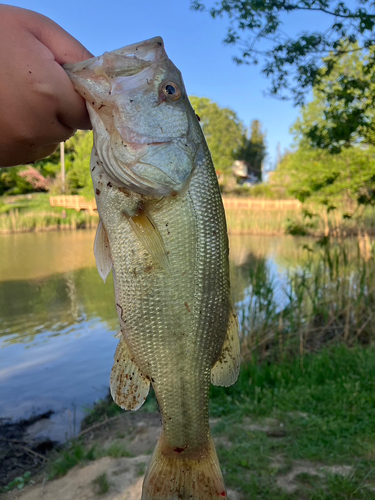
145, 130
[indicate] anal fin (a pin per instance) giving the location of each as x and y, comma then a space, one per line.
226, 369
129, 387
102, 252
150, 237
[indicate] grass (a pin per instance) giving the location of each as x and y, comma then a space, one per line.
260, 222
76, 452
279, 416
102, 484
306, 392
32, 212
331, 298
106, 408
18, 483
302, 413
311, 220
325, 408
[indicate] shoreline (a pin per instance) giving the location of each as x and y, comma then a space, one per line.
336, 233
282, 429
245, 216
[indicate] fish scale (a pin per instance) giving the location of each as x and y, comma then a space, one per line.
163, 233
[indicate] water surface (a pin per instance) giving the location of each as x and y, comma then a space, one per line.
58, 320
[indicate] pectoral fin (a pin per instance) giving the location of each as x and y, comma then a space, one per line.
102, 252
226, 369
129, 388
150, 237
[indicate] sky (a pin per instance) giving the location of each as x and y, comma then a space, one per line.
193, 41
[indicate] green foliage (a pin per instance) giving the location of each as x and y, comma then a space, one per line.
116, 450
223, 130
103, 409
78, 164
102, 484
12, 183
329, 298
106, 408
76, 451
321, 387
19, 482
253, 149
294, 63
341, 113
69, 456
18, 222
330, 124
348, 177
315, 414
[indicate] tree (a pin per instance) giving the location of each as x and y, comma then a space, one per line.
253, 150
295, 64
342, 112
346, 178
12, 183
36, 180
314, 173
78, 164
223, 130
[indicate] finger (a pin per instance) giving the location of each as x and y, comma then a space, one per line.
71, 108
64, 46
55, 110
20, 157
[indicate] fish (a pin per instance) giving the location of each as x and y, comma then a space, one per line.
163, 233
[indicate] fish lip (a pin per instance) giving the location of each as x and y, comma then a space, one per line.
143, 144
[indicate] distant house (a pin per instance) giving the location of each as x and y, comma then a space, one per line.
245, 173
220, 176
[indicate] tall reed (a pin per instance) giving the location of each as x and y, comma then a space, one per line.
18, 221
330, 299
310, 220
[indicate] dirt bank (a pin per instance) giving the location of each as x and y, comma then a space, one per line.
110, 478
19, 451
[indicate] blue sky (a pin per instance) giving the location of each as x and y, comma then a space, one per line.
193, 41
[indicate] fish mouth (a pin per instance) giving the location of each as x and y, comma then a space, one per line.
158, 143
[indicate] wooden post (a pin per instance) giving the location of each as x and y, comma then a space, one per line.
62, 160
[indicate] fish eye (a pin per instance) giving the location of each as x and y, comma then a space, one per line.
172, 91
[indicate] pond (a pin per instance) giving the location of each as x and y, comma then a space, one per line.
58, 320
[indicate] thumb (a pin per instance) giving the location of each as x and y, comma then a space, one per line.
65, 48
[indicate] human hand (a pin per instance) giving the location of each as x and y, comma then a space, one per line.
39, 107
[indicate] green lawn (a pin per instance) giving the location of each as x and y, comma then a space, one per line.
310, 426
293, 430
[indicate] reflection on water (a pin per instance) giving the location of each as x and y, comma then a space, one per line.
58, 320
280, 253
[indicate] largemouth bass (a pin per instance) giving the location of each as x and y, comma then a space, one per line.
163, 233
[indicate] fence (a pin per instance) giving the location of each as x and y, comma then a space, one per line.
80, 203
258, 205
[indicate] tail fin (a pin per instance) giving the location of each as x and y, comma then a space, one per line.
173, 476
